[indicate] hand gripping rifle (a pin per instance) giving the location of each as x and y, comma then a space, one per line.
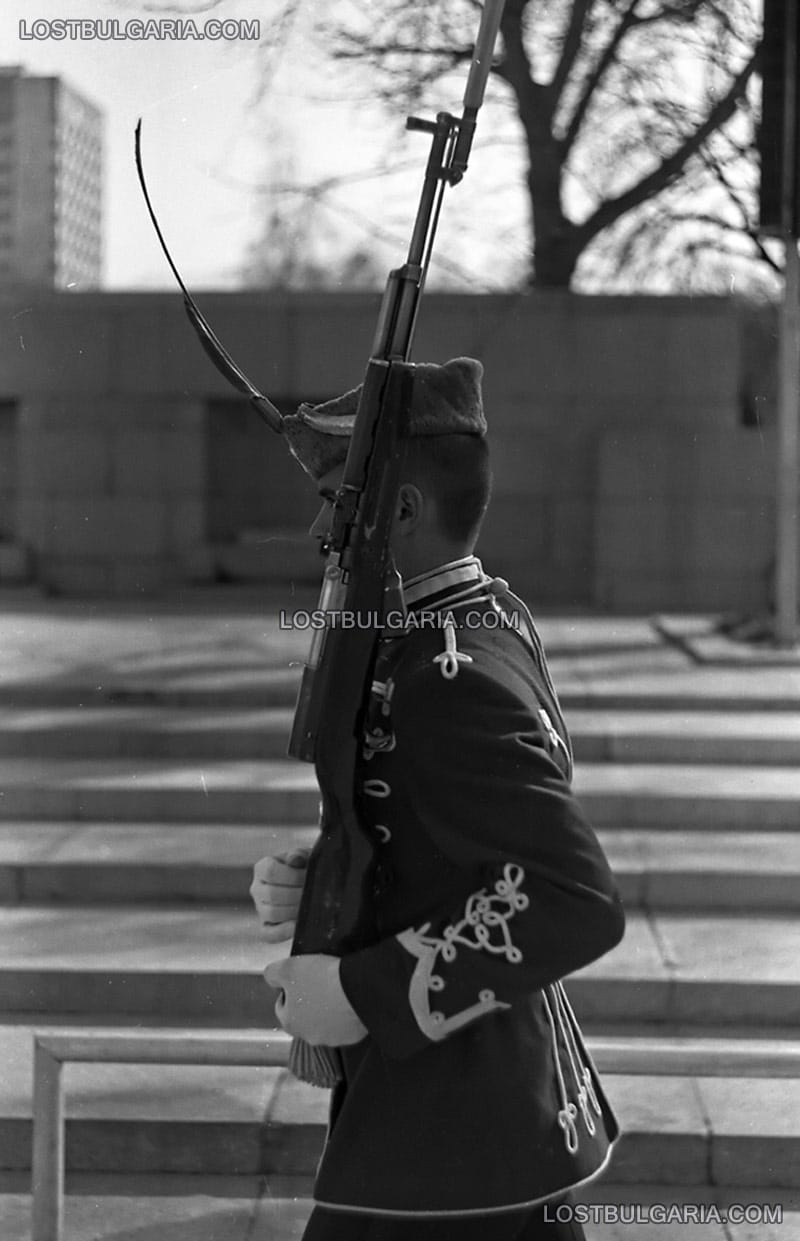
329, 718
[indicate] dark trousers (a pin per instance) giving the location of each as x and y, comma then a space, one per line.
514, 1226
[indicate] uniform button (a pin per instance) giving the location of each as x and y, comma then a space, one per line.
383, 879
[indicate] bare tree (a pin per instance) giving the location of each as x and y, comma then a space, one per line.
631, 122
636, 116
297, 248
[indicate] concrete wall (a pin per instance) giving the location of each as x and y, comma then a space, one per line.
110, 491
624, 475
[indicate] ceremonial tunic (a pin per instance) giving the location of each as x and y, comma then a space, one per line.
473, 1091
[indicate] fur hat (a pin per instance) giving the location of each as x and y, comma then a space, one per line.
445, 400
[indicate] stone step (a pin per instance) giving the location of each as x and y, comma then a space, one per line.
108, 1207
124, 789
69, 650
134, 862
175, 961
171, 961
266, 687
635, 795
217, 679
202, 863
677, 796
678, 685
155, 731
235, 1121
710, 870
694, 737
705, 968
166, 1207
228, 685
144, 731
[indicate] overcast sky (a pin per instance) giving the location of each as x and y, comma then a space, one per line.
205, 143
203, 140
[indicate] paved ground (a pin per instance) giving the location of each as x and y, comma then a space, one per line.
227, 649
187, 640
48, 644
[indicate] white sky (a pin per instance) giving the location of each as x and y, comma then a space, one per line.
205, 142
189, 138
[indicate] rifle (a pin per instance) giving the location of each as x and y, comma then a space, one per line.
329, 716
328, 721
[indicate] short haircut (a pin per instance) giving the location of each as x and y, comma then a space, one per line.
455, 470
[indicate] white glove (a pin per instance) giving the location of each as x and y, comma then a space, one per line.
276, 891
312, 1004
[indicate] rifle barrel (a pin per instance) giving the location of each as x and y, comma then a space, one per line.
482, 56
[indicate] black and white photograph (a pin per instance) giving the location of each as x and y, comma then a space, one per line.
400, 620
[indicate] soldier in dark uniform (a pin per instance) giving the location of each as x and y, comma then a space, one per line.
468, 1106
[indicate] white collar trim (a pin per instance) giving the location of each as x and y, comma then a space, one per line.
456, 573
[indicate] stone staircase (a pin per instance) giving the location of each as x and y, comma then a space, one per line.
130, 818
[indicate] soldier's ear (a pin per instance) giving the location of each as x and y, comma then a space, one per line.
409, 509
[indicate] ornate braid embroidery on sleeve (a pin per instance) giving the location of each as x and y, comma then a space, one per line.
484, 927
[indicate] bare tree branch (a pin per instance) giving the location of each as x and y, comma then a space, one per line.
633, 118
608, 57
671, 167
573, 41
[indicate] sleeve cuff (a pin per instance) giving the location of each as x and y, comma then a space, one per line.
376, 981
